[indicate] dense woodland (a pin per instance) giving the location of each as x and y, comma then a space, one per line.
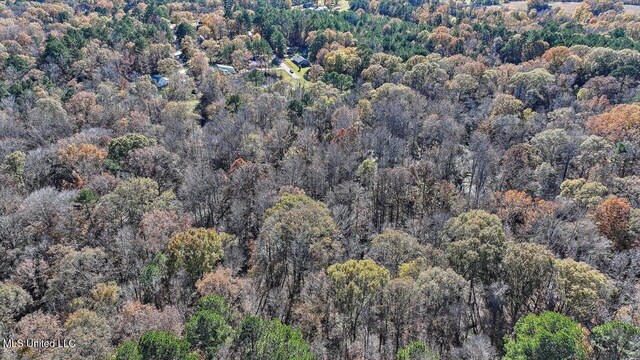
448, 180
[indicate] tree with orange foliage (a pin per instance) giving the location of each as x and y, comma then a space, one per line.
612, 218
622, 123
222, 282
556, 56
85, 159
82, 106
517, 210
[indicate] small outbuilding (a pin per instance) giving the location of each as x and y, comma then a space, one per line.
300, 61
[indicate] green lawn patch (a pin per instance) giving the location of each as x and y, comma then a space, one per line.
296, 69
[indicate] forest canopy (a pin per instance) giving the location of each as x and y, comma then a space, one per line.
290, 179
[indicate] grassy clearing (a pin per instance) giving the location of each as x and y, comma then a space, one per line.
287, 77
296, 69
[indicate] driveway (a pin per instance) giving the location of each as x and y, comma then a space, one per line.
288, 70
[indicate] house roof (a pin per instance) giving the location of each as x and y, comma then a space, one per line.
298, 58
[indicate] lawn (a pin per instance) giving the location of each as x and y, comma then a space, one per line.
296, 69
287, 77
